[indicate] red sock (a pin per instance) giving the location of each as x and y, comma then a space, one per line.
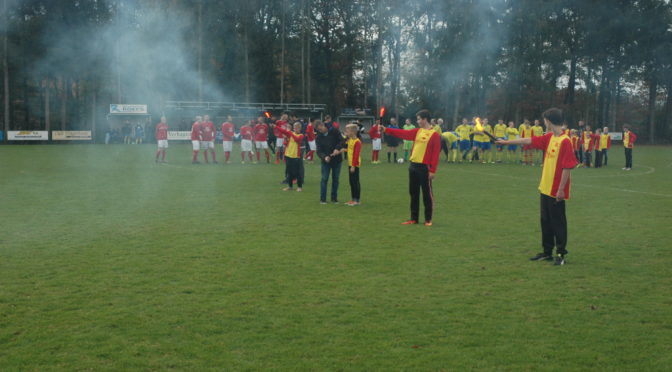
227, 155
268, 156
277, 155
242, 156
194, 156
250, 155
163, 155
205, 156
214, 158
310, 155
258, 155
157, 154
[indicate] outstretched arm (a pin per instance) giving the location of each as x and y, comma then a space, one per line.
517, 141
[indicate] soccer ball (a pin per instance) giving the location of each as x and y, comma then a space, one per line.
400, 160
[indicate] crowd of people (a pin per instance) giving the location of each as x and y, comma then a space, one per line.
555, 147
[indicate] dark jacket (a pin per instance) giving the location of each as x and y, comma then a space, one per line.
327, 143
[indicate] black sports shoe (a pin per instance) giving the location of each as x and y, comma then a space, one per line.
542, 257
559, 260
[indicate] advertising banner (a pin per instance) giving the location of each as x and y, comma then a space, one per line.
617, 136
71, 135
116, 108
176, 135
28, 135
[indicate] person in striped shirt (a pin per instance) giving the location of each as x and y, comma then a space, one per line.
629, 139
424, 161
354, 146
293, 156
554, 186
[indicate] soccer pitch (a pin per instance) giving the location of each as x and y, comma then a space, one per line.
109, 261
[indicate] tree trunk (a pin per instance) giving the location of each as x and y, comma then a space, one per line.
47, 106
246, 46
64, 102
93, 114
5, 68
379, 57
569, 96
456, 109
200, 50
653, 88
668, 108
282, 57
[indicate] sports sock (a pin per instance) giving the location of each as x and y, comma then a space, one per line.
194, 156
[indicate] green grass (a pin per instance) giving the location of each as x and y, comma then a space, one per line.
111, 262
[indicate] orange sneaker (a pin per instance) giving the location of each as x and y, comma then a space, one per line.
428, 223
410, 222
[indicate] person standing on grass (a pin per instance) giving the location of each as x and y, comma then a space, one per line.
554, 186
391, 141
424, 161
161, 135
587, 140
354, 145
500, 133
596, 147
511, 134
329, 147
293, 157
605, 145
408, 145
464, 131
375, 134
228, 132
208, 136
196, 139
246, 137
260, 131
629, 139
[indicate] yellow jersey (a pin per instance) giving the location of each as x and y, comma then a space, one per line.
511, 133
500, 130
464, 131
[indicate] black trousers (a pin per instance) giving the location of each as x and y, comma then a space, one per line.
598, 158
355, 187
553, 225
587, 158
628, 158
294, 171
418, 179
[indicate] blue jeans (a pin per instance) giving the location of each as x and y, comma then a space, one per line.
335, 169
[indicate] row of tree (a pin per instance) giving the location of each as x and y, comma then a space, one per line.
606, 62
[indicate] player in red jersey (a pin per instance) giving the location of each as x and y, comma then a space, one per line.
310, 136
261, 138
228, 132
208, 143
374, 133
161, 135
246, 141
196, 139
280, 138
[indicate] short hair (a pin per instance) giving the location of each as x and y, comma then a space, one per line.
424, 114
353, 126
318, 122
626, 126
554, 115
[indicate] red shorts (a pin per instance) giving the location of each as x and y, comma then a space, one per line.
527, 147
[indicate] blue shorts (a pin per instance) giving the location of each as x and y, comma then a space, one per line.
512, 147
478, 144
485, 146
464, 145
500, 147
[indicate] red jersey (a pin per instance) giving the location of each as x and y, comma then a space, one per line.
161, 132
558, 155
293, 147
426, 145
310, 132
208, 131
261, 132
228, 132
246, 132
374, 132
196, 131
279, 124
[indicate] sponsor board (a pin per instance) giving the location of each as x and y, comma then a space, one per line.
71, 135
28, 135
117, 108
177, 135
616, 136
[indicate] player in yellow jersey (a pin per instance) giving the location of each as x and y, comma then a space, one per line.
500, 133
450, 140
464, 131
511, 134
525, 131
537, 131
484, 146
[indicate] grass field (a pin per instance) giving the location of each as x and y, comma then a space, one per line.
111, 262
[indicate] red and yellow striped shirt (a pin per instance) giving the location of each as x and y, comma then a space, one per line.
293, 148
558, 155
426, 145
354, 152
